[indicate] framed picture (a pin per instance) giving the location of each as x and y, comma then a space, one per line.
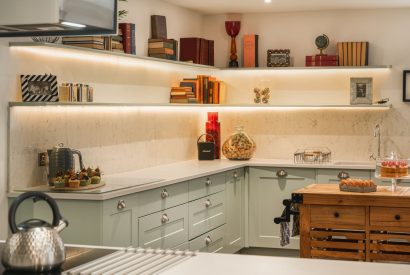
361, 90
406, 92
279, 58
37, 88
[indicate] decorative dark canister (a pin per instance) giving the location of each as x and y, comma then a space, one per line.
206, 149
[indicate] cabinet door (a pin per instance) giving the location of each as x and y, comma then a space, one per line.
268, 187
83, 216
235, 224
332, 175
164, 229
118, 216
206, 214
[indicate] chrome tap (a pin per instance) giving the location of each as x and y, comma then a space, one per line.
376, 133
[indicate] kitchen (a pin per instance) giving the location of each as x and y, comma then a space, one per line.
157, 140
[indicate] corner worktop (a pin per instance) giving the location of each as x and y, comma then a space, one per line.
159, 176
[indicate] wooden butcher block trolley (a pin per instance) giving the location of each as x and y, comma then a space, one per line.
354, 226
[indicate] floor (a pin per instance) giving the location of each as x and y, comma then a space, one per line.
293, 253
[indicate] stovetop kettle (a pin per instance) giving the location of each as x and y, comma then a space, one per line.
35, 245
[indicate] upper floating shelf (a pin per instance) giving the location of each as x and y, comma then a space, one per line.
216, 106
180, 63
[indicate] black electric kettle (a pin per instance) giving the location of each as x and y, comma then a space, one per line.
34, 245
61, 159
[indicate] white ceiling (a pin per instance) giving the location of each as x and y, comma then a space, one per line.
250, 6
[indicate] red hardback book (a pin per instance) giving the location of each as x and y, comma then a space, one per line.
126, 29
250, 50
321, 63
319, 58
189, 49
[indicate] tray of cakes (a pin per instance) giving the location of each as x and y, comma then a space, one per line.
85, 179
392, 167
357, 185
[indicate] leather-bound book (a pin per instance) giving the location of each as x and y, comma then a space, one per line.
190, 49
211, 53
204, 52
126, 30
158, 26
250, 50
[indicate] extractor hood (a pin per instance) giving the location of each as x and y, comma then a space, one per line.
57, 17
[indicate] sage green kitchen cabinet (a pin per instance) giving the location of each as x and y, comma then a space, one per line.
268, 187
205, 186
206, 214
164, 229
235, 211
212, 241
120, 227
162, 198
111, 222
334, 175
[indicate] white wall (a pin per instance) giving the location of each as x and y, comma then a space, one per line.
131, 80
347, 133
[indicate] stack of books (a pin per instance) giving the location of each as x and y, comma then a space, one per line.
163, 48
321, 60
128, 37
182, 95
205, 90
91, 42
353, 53
197, 50
116, 42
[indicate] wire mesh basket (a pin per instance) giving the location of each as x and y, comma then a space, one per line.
313, 155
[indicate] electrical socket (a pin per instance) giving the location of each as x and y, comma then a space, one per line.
42, 159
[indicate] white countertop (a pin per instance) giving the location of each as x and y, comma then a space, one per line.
154, 177
224, 264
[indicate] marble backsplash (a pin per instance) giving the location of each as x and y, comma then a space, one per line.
118, 139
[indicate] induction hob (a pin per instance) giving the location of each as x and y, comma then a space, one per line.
75, 256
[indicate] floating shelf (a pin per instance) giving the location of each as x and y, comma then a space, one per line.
107, 53
180, 63
216, 106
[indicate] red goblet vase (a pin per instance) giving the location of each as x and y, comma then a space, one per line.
232, 29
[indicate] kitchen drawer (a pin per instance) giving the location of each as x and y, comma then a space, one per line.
287, 174
212, 241
205, 186
206, 214
162, 198
332, 175
164, 229
383, 216
350, 217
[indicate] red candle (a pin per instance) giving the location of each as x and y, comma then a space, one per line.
213, 128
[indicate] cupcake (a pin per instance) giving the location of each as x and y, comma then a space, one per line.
85, 180
59, 182
95, 180
74, 183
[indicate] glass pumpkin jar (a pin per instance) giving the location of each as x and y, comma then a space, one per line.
239, 146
